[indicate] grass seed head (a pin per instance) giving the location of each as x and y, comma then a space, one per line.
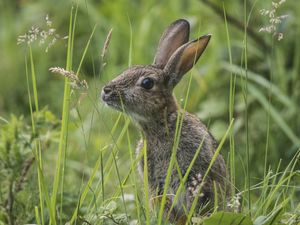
274, 20
47, 36
75, 82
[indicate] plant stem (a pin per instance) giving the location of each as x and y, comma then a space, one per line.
238, 24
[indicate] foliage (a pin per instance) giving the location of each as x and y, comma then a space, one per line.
17, 197
88, 174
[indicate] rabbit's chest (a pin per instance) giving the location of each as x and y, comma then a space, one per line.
158, 160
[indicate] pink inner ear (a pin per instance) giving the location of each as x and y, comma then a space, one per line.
187, 60
191, 54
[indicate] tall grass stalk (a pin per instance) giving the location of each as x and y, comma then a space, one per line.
37, 215
274, 91
146, 185
41, 198
99, 161
269, 109
130, 43
64, 132
276, 187
61, 158
245, 94
137, 203
263, 83
134, 178
274, 114
184, 179
179, 122
43, 192
34, 83
296, 68
231, 108
132, 169
106, 170
87, 188
170, 167
216, 153
117, 167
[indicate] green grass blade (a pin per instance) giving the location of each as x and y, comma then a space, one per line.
192, 209
260, 80
86, 189
146, 185
51, 209
245, 94
231, 107
183, 181
179, 122
130, 43
127, 121
65, 113
37, 215
41, 195
171, 165
274, 114
133, 167
85, 50
34, 84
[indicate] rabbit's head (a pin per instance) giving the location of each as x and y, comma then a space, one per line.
145, 92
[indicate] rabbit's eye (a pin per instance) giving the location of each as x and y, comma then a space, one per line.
147, 83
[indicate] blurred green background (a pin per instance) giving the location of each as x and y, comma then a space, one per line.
273, 89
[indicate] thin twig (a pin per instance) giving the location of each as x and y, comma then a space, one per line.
106, 44
238, 24
20, 182
9, 204
84, 220
105, 49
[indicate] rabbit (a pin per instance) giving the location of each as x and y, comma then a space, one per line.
145, 93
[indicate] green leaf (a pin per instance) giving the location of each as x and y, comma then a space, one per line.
272, 219
228, 218
262, 82
260, 220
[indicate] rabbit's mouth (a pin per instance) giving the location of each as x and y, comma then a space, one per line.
111, 100
114, 105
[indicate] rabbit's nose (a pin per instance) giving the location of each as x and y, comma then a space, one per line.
107, 90
106, 93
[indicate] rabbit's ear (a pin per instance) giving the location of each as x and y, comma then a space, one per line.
184, 59
174, 36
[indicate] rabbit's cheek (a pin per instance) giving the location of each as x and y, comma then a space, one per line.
138, 117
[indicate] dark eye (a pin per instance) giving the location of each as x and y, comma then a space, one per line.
147, 83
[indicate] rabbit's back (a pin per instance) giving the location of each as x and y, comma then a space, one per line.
194, 135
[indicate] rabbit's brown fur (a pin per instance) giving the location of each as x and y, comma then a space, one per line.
146, 94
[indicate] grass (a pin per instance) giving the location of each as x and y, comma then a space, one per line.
43, 194
91, 167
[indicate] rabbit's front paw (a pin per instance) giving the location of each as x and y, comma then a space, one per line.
195, 186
